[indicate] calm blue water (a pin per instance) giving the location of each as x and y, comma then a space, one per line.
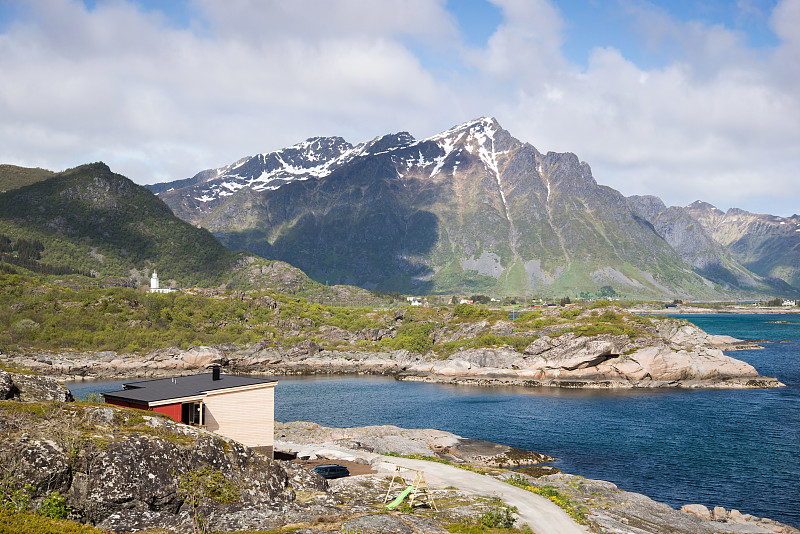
733, 448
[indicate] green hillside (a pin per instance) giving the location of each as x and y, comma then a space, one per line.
13, 177
91, 220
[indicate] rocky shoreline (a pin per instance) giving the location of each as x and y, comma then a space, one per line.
121, 474
680, 356
610, 509
739, 310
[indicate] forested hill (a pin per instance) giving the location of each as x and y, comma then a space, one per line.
91, 220
13, 177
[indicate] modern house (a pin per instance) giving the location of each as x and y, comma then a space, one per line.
237, 407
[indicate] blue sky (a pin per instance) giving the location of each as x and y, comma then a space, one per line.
683, 99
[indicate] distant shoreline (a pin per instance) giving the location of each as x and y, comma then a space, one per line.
688, 310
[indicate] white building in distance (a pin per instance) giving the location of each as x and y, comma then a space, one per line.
154, 285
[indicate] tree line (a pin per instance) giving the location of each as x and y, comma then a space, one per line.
26, 253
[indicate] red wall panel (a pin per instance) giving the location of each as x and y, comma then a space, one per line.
172, 410
126, 404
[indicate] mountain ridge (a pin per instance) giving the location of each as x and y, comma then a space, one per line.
471, 209
768, 245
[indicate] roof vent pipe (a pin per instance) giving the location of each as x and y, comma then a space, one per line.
215, 373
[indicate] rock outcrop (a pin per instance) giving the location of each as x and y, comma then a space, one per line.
18, 386
682, 355
384, 439
736, 520
124, 471
650, 353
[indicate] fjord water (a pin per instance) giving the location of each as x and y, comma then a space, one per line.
733, 448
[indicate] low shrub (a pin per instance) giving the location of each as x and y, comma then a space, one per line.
570, 313
28, 523
468, 311
54, 506
414, 337
498, 516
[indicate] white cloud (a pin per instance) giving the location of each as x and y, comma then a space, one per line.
256, 20
717, 120
714, 123
161, 103
526, 43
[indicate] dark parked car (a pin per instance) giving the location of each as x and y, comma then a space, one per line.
332, 471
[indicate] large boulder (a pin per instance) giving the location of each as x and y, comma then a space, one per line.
6, 385
485, 357
23, 387
123, 470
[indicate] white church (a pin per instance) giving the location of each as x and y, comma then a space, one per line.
154, 285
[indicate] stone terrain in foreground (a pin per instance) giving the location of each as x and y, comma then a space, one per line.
608, 508
122, 470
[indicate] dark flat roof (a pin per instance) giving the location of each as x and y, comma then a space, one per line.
181, 386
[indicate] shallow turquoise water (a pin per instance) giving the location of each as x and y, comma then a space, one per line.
733, 448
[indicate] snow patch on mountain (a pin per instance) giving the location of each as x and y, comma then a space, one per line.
318, 157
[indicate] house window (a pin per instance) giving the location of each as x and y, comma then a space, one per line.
193, 413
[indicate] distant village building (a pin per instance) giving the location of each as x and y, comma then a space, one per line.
154, 287
237, 407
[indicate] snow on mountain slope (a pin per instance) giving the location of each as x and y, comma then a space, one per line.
318, 157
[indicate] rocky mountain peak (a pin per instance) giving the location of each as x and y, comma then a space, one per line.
648, 206
389, 142
700, 208
481, 133
469, 209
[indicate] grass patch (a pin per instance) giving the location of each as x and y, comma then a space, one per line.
597, 329
574, 510
18, 370
29, 523
518, 343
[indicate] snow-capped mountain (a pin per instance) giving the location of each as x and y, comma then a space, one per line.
318, 157
313, 158
471, 209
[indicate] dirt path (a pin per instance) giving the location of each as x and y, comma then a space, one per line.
540, 514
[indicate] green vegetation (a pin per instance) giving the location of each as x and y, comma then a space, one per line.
38, 315
415, 337
498, 515
574, 510
613, 323
54, 506
26, 254
30, 523
205, 484
497, 518
101, 222
476, 528
518, 343
469, 311
13, 177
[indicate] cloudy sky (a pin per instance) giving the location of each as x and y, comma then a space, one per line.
682, 99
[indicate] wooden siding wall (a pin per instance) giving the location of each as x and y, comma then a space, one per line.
246, 416
174, 411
